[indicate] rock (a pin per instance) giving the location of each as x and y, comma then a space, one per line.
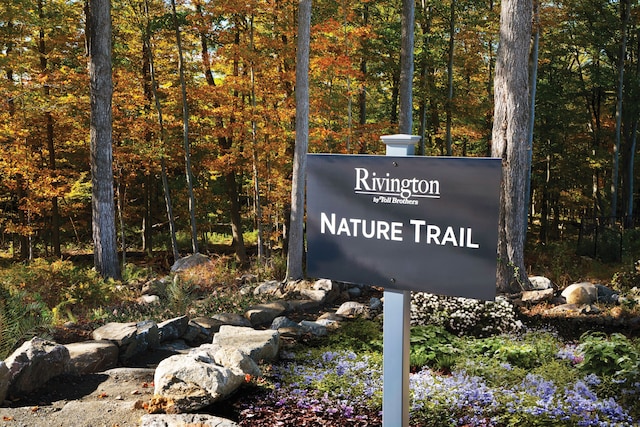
540, 283
122, 334
271, 287
539, 296
4, 381
131, 338
233, 319
303, 305
156, 286
210, 324
606, 295
581, 293
352, 309
263, 314
182, 420
331, 289
259, 345
193, 381
173, 329
87, 357
317, 295
282, 322
188, 262
148, 299
313, 328
564, 310
375, 304
232, 358
34, 363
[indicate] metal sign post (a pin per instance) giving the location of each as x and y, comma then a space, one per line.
396, 326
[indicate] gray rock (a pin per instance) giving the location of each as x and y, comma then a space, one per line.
317, 295
194, 381
34, 363
263, 314
282, 322
303, 305
122, 334
314, 328
4, 381
233, 319
182, 420
606, 295
232, 358
540, 283
173, 329
91, 356
271, 287
331, 289
352, 309
148, 299
188, 262
375, 304
536, 297
581, 293
259, 345
156, 286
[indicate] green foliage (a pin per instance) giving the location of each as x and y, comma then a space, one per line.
615, 356
527, 352
58, 284
359, 335
21, 318
434, 347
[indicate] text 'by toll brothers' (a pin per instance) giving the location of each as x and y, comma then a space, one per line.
423, 232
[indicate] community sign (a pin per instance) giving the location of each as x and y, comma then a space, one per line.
415, 223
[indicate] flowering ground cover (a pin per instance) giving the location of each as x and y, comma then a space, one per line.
533, 379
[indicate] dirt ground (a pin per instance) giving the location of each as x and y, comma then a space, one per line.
109, 399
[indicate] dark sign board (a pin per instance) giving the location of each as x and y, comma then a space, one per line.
414, 223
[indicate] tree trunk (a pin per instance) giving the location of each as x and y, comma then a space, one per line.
509, 139
105, 253
452, 22
624, 18
163, 163
405, 119
296, 231
185, 134
48, 119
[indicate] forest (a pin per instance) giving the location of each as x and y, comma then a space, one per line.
203, 101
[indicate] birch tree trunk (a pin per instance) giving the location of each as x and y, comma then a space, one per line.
509, 139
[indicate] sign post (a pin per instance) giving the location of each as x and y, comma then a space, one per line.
396, 326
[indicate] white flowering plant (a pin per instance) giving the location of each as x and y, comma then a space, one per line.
464, 316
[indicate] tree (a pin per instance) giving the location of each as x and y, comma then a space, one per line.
296, 236
105, 254
509, 138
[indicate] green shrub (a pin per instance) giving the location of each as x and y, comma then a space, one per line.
21, 318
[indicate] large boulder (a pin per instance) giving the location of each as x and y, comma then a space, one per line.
86, 357
581, 293
131, 338
188, 262
34, 363
193, 381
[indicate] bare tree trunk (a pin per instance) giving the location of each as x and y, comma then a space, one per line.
452, 28
624, 18
405, 120
48, 118
163, 163
296, 231
185, 134
509, 139
105, 252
